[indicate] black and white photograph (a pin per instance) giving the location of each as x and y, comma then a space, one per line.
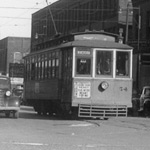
74, 74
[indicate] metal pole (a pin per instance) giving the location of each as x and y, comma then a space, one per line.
127, 24
138, 49
139, 27
102, 14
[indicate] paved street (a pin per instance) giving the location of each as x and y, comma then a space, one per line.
33, 132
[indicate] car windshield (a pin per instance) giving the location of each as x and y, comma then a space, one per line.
147, 92
4, 83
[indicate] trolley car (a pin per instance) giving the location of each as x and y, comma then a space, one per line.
89, 74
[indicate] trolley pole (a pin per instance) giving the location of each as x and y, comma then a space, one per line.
53, 21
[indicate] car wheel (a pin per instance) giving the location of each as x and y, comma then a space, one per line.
146, 112
147, 109
16, 114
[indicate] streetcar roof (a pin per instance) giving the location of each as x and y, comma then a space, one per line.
88, 43
97, 44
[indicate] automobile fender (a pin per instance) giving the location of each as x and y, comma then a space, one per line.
14, 99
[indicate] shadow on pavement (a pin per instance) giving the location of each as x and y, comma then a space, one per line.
27, 112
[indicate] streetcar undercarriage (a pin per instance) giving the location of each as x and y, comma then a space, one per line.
51, 107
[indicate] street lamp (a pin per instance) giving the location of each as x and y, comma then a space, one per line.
37, 35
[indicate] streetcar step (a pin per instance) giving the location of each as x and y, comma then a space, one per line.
96, 111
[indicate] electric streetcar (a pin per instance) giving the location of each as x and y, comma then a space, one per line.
88, 74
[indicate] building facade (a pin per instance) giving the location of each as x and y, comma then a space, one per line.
68, 16
12, 50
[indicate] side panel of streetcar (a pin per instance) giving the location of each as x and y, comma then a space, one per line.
42, 77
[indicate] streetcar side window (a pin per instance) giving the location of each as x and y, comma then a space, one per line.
84, 66
45, 66
104, 63
49, 68
52, 65
57, 67
39, 67
42, 71
28, 69
32, 69
36, 69
45, 69
53, 68
123, 64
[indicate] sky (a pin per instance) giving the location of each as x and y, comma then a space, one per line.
15, 16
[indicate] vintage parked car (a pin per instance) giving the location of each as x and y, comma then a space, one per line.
145, 101
8, 102
18, 91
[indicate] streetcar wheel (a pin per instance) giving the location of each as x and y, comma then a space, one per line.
147, 110
16, 114
39, 113
44, 113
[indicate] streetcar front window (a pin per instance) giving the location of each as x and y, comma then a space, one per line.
123, 64
104, 63
84, 66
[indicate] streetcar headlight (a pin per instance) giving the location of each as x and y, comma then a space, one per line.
103, 86
8, 93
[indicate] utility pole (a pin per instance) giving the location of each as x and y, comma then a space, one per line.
138, 49
102, 14
138, 40
127, 24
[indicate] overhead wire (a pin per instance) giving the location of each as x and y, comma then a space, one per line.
17, 8
14, 17
13, 21
18, 17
